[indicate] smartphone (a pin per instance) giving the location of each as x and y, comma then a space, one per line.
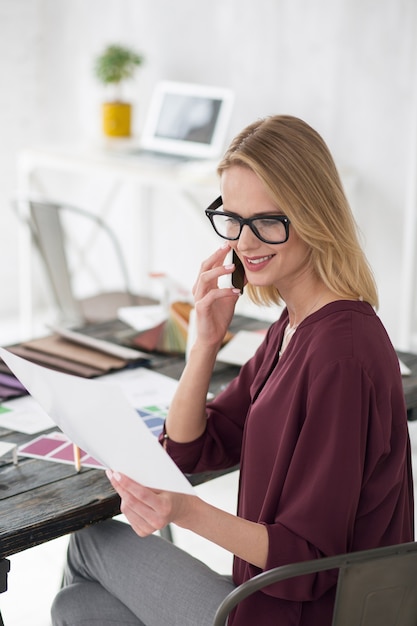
238, 275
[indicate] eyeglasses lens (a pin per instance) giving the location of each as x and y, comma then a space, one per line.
268, 229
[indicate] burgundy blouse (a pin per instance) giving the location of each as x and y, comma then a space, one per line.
322, 440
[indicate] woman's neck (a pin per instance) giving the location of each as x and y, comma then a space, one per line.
308, 303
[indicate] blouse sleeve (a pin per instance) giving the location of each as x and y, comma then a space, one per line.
220, 445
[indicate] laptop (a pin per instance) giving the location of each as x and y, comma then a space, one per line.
186, 121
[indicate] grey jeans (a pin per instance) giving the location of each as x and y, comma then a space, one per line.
114, 578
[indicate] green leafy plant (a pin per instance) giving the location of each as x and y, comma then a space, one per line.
117, 64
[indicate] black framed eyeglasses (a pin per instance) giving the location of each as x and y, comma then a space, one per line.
268, 228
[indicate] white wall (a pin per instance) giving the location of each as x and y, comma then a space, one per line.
348, 67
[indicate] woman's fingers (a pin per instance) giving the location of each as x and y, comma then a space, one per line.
210, 270
214, 306
147, 510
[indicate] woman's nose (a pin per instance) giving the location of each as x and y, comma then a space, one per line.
247, 238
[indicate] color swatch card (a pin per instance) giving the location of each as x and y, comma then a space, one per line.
154, 417
10, 387
56, 447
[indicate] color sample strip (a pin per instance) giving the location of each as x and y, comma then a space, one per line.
154, 417
56, 447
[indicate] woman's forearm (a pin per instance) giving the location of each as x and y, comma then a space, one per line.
214, 309
186, 418
247, 540
148, 510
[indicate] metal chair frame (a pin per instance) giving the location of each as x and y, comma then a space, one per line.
377, 586
43, 218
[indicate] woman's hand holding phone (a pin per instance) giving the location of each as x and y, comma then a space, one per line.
215, 305
236, 278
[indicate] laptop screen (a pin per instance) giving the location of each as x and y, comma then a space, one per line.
188, 120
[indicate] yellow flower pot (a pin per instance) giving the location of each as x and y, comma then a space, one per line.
117, 119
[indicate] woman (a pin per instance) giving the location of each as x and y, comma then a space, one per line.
316, 418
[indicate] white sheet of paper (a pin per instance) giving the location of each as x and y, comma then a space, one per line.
98, 417
142, 386
6, 447
143, 317
25, 416
405, 371
241, 347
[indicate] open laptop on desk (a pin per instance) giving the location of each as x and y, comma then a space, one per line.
185, 122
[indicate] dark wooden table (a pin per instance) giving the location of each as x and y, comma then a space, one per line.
40, 500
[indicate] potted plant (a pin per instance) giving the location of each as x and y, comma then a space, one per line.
113, 67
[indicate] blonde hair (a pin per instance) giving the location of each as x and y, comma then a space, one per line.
297, 169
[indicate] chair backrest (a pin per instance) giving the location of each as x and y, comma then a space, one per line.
50, 233
375, 587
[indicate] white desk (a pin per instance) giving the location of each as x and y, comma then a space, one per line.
115, 167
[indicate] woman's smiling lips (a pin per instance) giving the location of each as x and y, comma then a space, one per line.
257, 263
